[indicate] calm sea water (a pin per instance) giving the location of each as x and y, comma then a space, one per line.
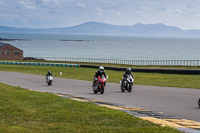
109, 47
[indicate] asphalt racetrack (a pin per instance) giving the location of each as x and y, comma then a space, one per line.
179, 102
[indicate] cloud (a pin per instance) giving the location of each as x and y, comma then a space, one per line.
57, 2
65, 13
1, 2
116, 12
99, 11
80, 5
8, 17
28, 4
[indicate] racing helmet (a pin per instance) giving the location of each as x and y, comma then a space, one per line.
128, 70
101, 68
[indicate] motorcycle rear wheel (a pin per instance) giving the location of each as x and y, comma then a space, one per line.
199, 102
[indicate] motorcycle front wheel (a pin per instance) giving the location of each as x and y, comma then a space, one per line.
102, 89
199, 102
130, 88
50, 83
122, 88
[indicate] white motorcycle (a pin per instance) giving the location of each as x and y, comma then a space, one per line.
49, 80
127, 84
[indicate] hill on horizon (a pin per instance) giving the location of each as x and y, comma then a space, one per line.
97, 28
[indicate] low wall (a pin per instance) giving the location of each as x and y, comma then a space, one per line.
40, 64
150, 70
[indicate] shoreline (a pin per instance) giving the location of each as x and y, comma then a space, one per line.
8, 40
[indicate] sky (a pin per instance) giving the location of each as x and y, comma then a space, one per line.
184, 14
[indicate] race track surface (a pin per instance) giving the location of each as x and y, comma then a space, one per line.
179, 102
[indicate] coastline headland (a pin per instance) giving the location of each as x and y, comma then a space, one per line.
7, 40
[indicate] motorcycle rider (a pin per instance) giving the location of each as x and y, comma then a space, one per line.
48, 74
125, 75
100, 72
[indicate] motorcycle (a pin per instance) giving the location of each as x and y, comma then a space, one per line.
100, 84
127, 84
49, 80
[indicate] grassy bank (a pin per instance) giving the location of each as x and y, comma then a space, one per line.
153, 79
24, 111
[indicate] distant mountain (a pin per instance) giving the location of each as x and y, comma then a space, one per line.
108, 29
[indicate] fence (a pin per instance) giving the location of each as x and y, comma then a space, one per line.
126, 62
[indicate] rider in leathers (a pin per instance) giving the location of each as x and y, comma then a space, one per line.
100, 72
48, 74
125, 75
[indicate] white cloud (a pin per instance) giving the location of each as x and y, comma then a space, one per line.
145, 8
1, 2
80, 5
142, 14
52, 1
99, 11
179, 11
169, 10
28, 4
10, 18
198, 15
182, 13
116, 12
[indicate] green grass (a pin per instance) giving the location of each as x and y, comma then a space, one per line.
153, 79
24, 111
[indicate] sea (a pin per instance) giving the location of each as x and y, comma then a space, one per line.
106, 46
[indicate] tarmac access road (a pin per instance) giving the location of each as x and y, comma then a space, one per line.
179, 102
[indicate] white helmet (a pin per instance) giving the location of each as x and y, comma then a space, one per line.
101, 68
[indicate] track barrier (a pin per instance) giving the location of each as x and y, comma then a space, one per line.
150, 70
39, 64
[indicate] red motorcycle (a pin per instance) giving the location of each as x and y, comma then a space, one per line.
99, 85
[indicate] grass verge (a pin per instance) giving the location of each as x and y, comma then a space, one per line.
24, 111
153, 79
